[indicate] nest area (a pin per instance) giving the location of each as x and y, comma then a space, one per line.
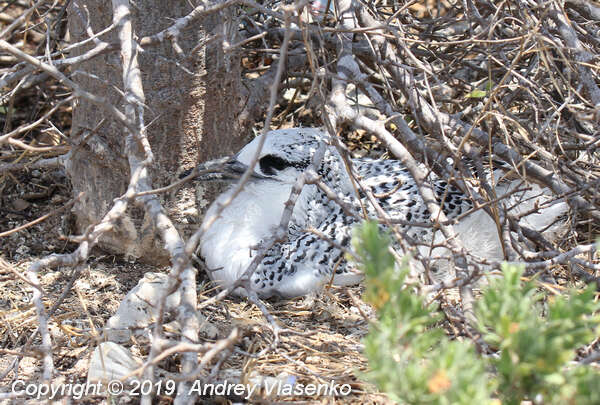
525, 73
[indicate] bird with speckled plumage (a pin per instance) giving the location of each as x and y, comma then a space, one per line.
307, 261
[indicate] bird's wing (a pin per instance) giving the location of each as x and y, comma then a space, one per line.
314, 252
395, 190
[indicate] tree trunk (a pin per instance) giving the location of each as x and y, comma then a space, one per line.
191, 117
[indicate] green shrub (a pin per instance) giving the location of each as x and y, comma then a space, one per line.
415, 362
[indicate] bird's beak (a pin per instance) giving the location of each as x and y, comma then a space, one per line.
234, 167
226, 168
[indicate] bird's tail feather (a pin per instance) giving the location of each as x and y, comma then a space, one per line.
536, 207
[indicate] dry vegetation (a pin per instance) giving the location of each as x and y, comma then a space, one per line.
516, 78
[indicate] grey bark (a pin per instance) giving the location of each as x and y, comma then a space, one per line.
191, 117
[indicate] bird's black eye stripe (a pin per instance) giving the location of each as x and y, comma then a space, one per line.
271, 163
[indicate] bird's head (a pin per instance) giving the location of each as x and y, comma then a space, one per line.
284, 155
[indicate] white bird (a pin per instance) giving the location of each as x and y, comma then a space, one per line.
305, 262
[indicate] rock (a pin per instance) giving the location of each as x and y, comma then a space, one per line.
139, 310
20, 205
111, 361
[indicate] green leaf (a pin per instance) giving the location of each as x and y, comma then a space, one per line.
555, 379
477, 93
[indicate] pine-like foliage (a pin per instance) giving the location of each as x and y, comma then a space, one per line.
535, 336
